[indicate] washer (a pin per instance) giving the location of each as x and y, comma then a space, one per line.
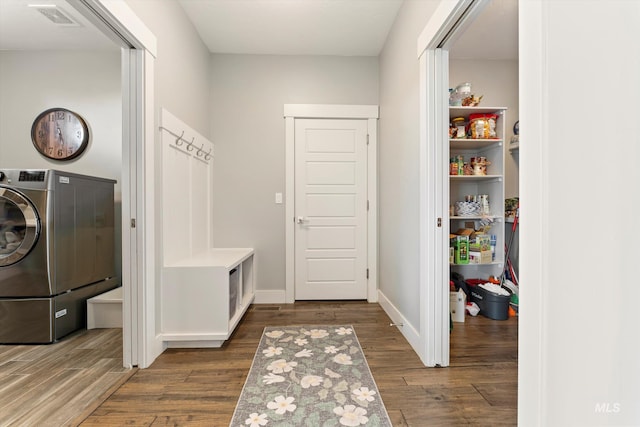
56, 250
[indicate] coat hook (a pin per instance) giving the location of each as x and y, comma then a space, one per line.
179, 139
190, 146
208, 155
200, 152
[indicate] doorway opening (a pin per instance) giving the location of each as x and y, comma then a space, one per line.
443, 36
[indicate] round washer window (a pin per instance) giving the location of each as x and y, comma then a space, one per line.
19, 226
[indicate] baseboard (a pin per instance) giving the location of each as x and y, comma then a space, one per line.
409, 332
270, 297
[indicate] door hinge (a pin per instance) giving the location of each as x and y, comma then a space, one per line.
367, 273
367, 139
367, 205
133, 223
439, 222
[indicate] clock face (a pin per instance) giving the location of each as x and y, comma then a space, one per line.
59, 134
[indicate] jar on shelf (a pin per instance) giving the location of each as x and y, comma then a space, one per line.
460, 126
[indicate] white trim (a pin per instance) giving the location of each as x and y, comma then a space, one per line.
289, 210
330, 111
448, 22
116, 19
327, 111
534, 86
372, 220
434, 296
270, 297
397, 319
445, 25
129, 242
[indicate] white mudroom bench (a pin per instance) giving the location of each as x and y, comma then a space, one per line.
205, 295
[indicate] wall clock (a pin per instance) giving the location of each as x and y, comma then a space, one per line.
59, 134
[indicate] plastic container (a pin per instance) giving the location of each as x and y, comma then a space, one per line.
491, 305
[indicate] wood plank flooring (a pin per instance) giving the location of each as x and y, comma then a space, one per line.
200, 387
60, 384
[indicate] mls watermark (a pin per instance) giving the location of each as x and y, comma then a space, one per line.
608, 408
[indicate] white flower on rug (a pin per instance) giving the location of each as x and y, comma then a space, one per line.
279, 366
310, 380
256, 420
282, 405
272, 379
351, 416
272, 351
331, 374
274, 334
317, 333
363, 393
301, 341
331, 349
344, 331
343, 359
304, 353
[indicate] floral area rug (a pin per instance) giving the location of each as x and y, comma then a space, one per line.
313, 376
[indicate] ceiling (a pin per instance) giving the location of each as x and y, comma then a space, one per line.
282, 27
293, 27
25, 28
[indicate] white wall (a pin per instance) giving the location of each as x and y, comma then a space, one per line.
182, 82
399, 160
182, 76
247, 127
579, 353
497, 81
85, 82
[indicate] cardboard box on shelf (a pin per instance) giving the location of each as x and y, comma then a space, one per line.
457, 303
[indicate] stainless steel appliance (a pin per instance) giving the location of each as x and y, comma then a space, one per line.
56, 250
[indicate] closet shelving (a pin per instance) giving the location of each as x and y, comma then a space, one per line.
491, 184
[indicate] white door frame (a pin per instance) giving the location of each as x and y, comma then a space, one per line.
324, 111
448, 22
117, 21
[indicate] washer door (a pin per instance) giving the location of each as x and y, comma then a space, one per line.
19, 226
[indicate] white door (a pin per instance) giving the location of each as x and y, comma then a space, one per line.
330, 209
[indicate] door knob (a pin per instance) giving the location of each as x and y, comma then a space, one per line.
300, 220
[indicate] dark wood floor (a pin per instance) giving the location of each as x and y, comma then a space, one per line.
200, 387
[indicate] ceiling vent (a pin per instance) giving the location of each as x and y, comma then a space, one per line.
55, 14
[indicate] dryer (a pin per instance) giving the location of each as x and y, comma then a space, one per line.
57, 248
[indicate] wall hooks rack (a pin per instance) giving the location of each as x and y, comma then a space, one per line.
182, 143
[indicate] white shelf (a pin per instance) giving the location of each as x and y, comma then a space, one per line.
472, 144
491, 184
475, 177
486, 264
476, 217
465, 111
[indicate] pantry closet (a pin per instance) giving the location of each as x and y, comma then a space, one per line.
486, 174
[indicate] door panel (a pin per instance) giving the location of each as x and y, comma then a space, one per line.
331, 209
